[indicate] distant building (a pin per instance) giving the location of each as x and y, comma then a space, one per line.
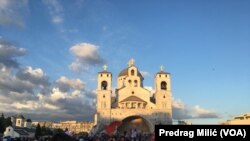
21, 127
76, 127
20, 121
19, 132
72, 126
47, 124
239, 120
28, 123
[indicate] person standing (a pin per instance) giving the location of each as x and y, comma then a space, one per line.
133, 135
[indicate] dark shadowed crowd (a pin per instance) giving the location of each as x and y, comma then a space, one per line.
133, 135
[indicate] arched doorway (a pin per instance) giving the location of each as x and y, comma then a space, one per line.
136, 122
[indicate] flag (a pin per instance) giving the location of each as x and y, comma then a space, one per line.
111, 128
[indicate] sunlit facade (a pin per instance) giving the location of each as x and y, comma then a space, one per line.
131, 102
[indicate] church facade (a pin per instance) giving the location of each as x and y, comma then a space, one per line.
131, 103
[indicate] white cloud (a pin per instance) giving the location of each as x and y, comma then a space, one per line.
182, 111
178, 104
11, 12
4, 3
76, 93
30, 105
55, 10
86, 55
56, 94
145, 73
57, 19
151, 89
35, 76
28, 90
9, 53
76, 66
34, 72
204, 113
50, 106
65, 84
85, 50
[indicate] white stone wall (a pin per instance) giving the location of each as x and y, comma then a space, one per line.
9, 131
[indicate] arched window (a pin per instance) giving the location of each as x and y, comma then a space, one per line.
104, 85
130, 82
163, 85
135, 83
132, 72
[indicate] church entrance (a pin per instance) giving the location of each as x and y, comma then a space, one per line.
135, 122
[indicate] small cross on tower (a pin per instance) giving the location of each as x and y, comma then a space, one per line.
161, 68
105, 67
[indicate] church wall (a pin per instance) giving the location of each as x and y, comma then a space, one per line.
134, 91
155, 116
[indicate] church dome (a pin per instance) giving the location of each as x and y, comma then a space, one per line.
125, 73
28, 120
20, 116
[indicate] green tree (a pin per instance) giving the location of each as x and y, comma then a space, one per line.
49, 131
43, 130
2, 126
38, 132
57, 130
8, 122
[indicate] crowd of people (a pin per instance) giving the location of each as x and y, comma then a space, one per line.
15, 139
132, 135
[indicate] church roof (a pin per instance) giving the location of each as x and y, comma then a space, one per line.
28, 120
20, 116
104, 72
27, 130
163, 72
133, 98
21, 132
125, 73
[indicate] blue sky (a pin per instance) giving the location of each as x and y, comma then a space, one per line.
205, 45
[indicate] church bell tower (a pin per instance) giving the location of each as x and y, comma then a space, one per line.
104, 90
163, 96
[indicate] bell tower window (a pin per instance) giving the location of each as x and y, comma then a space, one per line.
163, 85
135, 83
104, 85
132, 72
129, 82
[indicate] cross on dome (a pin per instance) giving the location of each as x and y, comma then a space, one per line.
131, 62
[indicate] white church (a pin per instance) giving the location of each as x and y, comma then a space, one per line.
131, 103
21, 127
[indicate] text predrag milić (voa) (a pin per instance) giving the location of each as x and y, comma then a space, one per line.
201, 131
